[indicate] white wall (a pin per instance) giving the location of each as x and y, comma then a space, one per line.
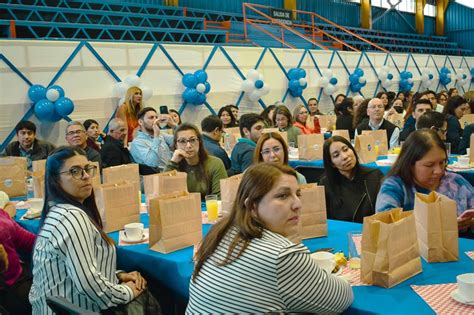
89, 85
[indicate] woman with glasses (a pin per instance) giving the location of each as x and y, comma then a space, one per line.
284, 122
300, 114
272, 148
73, 257
204, 171
421, 167
351, 189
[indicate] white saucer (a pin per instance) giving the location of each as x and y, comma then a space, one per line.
457, 297
125, 239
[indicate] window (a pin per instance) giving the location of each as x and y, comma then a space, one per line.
406, 6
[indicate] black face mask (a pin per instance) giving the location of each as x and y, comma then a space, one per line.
398, 109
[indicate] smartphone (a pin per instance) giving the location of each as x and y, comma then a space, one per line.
164, 110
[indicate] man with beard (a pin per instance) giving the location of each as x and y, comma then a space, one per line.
76, 137
27, 145
113, 152
151, 147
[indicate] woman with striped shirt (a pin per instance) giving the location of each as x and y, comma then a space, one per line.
73, 257
246, 264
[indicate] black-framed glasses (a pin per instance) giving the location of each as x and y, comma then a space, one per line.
275, 149
77, 172
183, 141
74, 132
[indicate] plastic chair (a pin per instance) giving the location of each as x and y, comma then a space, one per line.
312, 174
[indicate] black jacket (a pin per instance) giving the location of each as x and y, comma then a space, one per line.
41, 149
386, 125
344, 122
406, 132
113, 153
352, 200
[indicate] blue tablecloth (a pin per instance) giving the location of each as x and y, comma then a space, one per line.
174, 269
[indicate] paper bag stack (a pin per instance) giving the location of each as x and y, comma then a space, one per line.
229, 187
380, 137
342, 133
365, 148
313, 220
310, 147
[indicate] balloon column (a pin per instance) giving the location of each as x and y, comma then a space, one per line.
444, 76
253, 86
426, 78
196, 87
385, 77
50, 104
120, 88
328, 82
357, 80
297, 82
406, 81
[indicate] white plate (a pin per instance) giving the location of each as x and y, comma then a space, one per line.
125, 239
457, 297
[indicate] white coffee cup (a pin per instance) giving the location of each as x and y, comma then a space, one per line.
324, 260
134, 231
466, 287
463, 161
36, 203
392, 157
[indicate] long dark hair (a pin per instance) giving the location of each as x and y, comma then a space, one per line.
54, 194
228, 110
332, 173
414, 149
257, 181
264, 114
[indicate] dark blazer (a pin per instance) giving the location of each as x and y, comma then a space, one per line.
113, 153
352, 200
406, 132
454, 133
41, 149
345, 122
466, 139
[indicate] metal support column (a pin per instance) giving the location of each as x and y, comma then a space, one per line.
441, 6
366, 14
420, 16
290, 5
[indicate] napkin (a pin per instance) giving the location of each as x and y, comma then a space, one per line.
470, 254
438, 297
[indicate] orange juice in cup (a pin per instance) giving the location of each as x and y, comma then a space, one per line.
212, 208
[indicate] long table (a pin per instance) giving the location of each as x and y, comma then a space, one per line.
174, 270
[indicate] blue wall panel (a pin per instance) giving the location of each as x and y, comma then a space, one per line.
233, 6
150, 2
459, 25
342, 13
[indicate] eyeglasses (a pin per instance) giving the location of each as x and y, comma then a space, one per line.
74, 132
275, 150
77, 172
376, 106
191, 141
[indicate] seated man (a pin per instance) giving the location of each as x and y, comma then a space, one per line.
76, 136
375, 111
419, 108
113, 152
151, 147
211, 135
251, 127
434, 120
27, 145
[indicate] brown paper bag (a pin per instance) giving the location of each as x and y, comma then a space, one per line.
38, 184
165, 183
436, 227
466, 120
120, 173
310, 147
471, 151
365, 148
13, 176
229, 187
342, 133
327, 121
118, 204
313, 220
38, 166
390, 252
96, 179
175, 221
396, 119
380, 137
283, 134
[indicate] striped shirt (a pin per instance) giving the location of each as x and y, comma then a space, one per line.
72, 260
271, 275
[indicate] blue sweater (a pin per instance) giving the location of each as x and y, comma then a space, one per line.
242, 156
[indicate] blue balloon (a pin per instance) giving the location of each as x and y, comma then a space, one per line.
333, 81
294, 85
304, 86
55, 117
64, 106
390, 76
430, 76
359, 72
208, 87
57, 88
353, 78
464, 76
36, 92
189, 80
44, 110
190, 95
296, 92
356, 87
200, 99
445, 70
472, 72
301, 73
201, 76
293, 74
409, 75
259, 84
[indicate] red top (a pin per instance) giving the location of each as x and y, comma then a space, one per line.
306, 130
13, 237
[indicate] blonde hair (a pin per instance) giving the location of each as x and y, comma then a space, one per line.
131, 109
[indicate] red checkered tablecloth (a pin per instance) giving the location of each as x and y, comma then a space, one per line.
470, 254
353, 276
438, 297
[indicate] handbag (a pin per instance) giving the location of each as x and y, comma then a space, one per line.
144, 304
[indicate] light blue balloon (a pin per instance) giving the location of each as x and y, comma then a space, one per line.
189, 80
201, 76
359, 72
36, 92
44, 110
190, 95
301, 73
55, 117
201, 98
356, 87
353, 78
259, 84
333, 81
208, 87
293, 74
64, 106
294, 85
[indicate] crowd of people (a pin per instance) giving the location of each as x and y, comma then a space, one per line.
71, 256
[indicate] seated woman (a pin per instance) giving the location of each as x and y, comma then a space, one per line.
272, 148
267, 115
204, 171
313, 107
351, 189
16, 275
300, 113
344, 120
73, 257
456, 107
175, 116
251, 244
93, 132
421, 167
227, 118
284, 122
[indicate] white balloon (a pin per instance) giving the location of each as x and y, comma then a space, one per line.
253, 75
121, 101
383, 74
410, 80
362, 80
255, 95
132, 80
200, 87
387, 83
147, 93
302, 81
265, 90
260, 76
323, 82
459, 76
120, 89
327, 73
448, 75
385, 68
425, 77
52, 95
248, 86
327, 91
